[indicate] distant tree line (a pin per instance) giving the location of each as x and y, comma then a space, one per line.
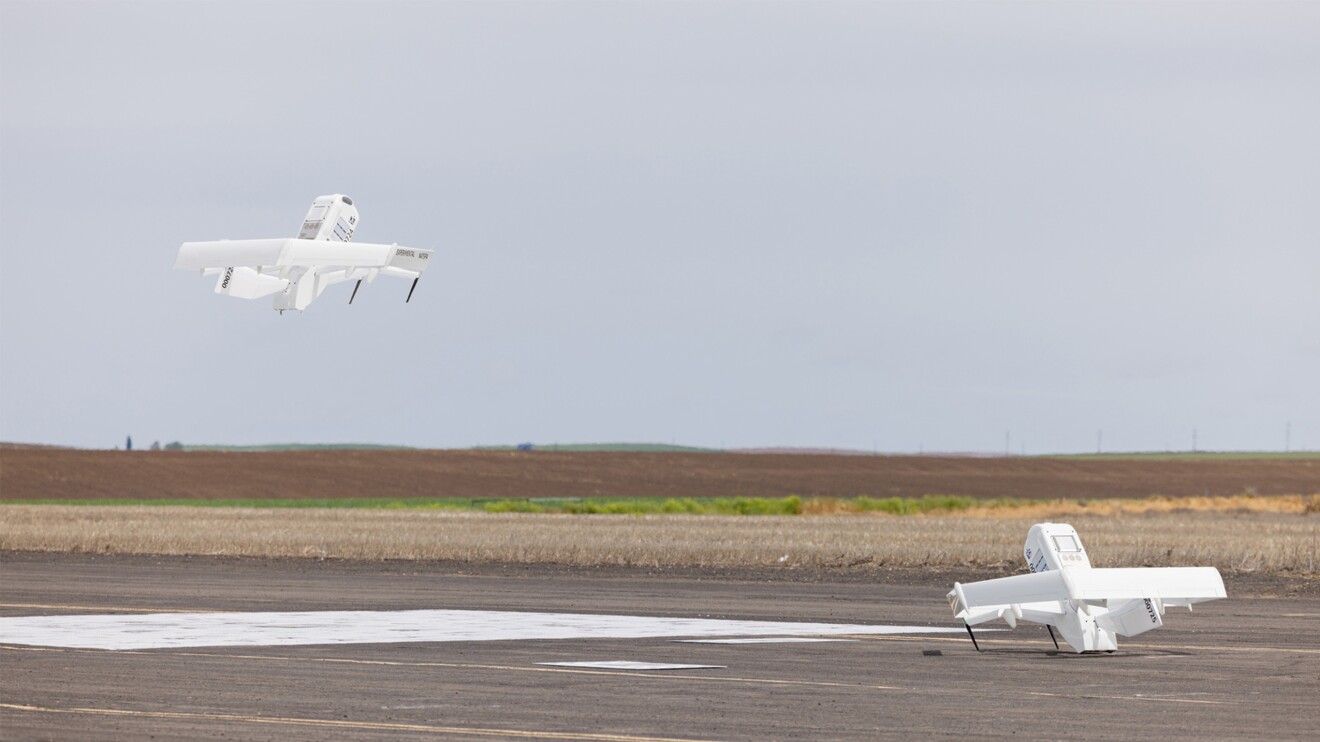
155, 445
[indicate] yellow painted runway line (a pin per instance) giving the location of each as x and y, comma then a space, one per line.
1090, 697
520, 668
1216, 648
463, 666
1153, 647
339, 724
101, 608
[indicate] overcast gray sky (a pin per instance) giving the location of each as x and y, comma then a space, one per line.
889, 226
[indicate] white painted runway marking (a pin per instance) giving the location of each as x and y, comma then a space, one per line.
765, 640
169, 630
625, 665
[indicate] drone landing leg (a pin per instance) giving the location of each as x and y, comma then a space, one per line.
1051, 630
355, 288
414, 288
969, 633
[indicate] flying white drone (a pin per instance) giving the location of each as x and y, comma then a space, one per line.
1090, 606
296, 270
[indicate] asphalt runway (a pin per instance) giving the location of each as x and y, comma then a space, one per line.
1246, 667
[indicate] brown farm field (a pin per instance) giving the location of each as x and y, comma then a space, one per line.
28, 473
1270, 532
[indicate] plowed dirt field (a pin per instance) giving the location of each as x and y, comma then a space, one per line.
55, 473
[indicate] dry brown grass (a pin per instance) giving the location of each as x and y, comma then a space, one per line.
1295, 504
1235, 541
1060, 508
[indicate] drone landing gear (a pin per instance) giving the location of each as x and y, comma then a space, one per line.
969, 633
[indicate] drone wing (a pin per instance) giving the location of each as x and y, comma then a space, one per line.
1034, 597
285, 253
1170, 585
302, 269
1042, 595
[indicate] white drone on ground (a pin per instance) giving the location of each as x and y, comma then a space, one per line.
1089, 606
297, 269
